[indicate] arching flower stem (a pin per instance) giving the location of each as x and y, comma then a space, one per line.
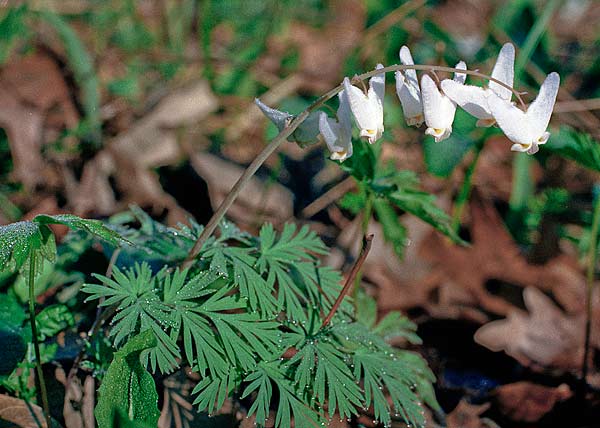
291, 127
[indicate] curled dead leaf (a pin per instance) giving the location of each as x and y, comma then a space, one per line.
467, 415
529, 402
544, 336
21, 414
258, 202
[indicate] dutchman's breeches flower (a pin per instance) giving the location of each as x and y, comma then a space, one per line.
338, 133
474, 99
490, 104
527, 129
438, 109
367, 109
409, 93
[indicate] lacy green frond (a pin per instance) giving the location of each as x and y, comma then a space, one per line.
261, 382
139, 307
322, 367
212, 392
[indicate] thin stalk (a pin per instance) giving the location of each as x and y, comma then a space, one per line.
592, 257
350, 280
366, 219
465, 190
288, 130
36, 344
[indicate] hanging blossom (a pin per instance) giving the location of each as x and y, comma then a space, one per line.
473, 99
438, 109
367, 109
491, 105
527, 129
308, 131
409, 93
338, 133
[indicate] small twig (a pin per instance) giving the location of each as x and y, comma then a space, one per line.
364, 252
389, 20
292, 126
577, 105
592, 257
328, 197
36, 343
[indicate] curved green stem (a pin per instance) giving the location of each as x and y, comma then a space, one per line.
592, 257
291, 127
36, 344
465, 190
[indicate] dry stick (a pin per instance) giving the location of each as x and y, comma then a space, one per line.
577, 105
364, 252
389, 20
291, 127
328, 197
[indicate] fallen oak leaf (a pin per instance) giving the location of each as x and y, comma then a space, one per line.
529, 402
466, 415
20, 413
543, 337
258, 201
494, 255
322, 51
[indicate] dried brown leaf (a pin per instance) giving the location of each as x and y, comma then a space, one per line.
18, 413
467, 415
544, 336
529, 402
258, 202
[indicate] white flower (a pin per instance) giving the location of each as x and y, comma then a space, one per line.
438, 109
306, 133
474, 99
338, 133
407, 88
368, 109
527, 129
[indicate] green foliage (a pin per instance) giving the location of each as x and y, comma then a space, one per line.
577, 146
390, 190
246, 302
442, 158
19, 240
12, 26
152, 241
52, 320
12, 334
127, 387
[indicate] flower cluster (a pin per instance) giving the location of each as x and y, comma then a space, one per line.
432, 102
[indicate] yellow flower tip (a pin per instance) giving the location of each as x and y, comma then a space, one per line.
439, 134
342, 155
415, 120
